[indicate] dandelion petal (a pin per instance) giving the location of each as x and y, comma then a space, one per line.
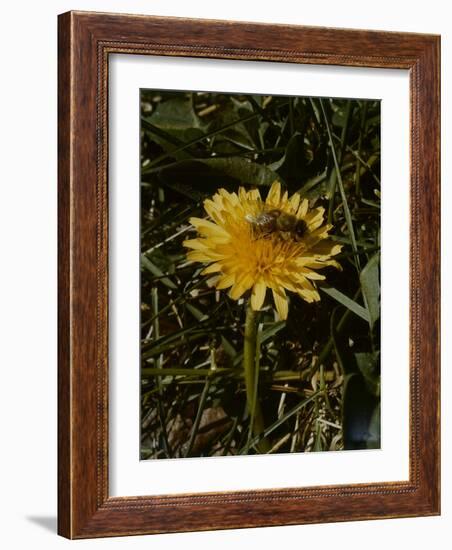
254, 194
212, 268
303, 208
211, 208
258, 295
241, 260
281, 303
225, 281
295, 201
195, 244
274, 194
315, 219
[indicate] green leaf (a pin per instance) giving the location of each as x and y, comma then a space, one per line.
370, 286
358, 408
358, 310
188, 191
310, 190
294, 159
211, 173
271, 331
318, 438
157, 272
228, 347
174, 340
369, 366
175, 152
339, 117
149, 372
238, 133
173, 142
281, 420
173, 124
197, 314
175, 114
286, 375
371, 203
374, 438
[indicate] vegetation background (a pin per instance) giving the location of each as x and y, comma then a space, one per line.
319, 383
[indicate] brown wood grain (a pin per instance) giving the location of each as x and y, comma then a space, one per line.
64, 296
85, 42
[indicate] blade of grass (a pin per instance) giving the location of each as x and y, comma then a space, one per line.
168, 239
201, 138
348, 217
279, 443
281, 421
318, 436
293, 444
197, 314
360, 141
171, 345
365, 166
179, 300
229, 436
333, 332
256, 382
145, 124
334, 174
161, 412
228, 347
263, 113
371, 288
326, 350
358, 310
174, 371
267, 334
271, 331
152, 268
172, 216
312, 183
197, 140
195, 427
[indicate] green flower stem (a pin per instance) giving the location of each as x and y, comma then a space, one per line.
251, 365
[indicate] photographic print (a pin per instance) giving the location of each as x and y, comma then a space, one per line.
260, 274
250, 320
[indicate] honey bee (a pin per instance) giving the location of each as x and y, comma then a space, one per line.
276, 221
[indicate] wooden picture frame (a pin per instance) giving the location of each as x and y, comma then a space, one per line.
86, 40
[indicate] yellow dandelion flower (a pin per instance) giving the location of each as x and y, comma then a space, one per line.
247, 255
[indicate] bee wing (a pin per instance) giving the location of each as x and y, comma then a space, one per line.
265, 218
262, 219
250, 219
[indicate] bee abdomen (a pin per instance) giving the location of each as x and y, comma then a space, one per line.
286, 222
301, 228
